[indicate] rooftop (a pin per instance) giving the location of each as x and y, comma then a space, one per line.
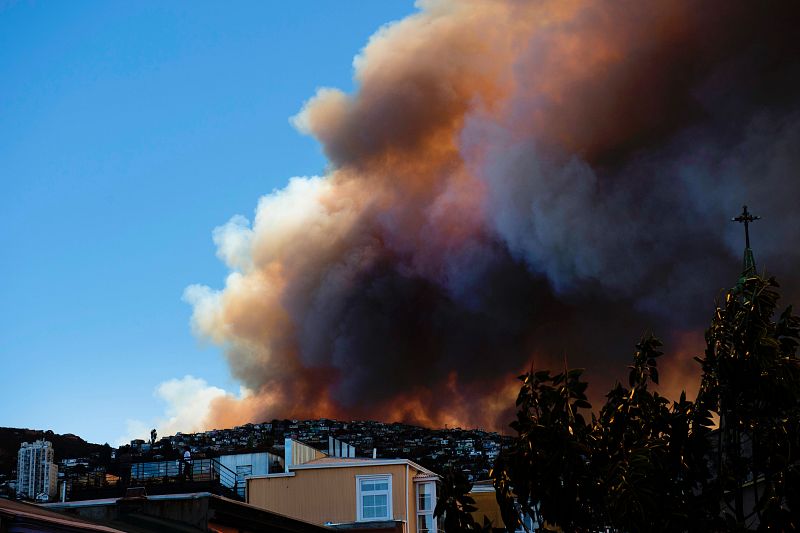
198, 511
28, 517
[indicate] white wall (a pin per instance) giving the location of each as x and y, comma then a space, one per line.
259, 463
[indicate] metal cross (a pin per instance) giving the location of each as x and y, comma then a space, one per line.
747, 218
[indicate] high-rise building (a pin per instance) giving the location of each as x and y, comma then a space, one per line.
37, 473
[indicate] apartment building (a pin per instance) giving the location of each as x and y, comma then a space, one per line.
346, 492
37, 473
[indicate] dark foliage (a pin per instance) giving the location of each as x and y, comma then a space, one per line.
646, 463
549, 463
751, 380
454, 507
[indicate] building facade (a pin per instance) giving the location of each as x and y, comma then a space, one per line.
37, 473
485, 498
243, 465
346, 492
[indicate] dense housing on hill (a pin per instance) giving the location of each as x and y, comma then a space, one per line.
471, 451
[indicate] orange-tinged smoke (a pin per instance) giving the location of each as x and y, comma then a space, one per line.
509, 178
680, 370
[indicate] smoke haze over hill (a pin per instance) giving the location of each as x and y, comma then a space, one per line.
512, 182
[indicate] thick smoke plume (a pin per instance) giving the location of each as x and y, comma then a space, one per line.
513, 183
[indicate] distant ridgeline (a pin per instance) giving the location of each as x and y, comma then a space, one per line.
65, 446
472, 450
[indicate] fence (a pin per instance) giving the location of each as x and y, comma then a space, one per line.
165, 477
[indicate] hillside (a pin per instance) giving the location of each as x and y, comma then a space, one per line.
470, 450
65, 446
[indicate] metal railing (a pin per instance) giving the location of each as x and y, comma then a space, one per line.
198, 471
164, 477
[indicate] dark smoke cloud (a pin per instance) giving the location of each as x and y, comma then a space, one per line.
513, 182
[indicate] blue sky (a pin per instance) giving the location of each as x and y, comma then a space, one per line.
128, 131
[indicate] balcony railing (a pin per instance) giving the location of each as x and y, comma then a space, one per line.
164, 477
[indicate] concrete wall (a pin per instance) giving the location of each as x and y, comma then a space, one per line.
191, 511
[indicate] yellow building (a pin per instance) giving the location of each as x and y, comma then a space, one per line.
347, 492
486, 503
485, 497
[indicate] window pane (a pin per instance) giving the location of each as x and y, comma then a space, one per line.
375, 503
425, 502
424, 523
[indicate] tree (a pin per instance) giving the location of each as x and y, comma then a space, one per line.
455, 506
751, 381
546, 472
647, 464
649, 456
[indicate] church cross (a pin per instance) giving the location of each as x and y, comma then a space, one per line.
745, 218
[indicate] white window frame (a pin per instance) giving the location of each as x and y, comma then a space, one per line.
359, 501
433, 504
